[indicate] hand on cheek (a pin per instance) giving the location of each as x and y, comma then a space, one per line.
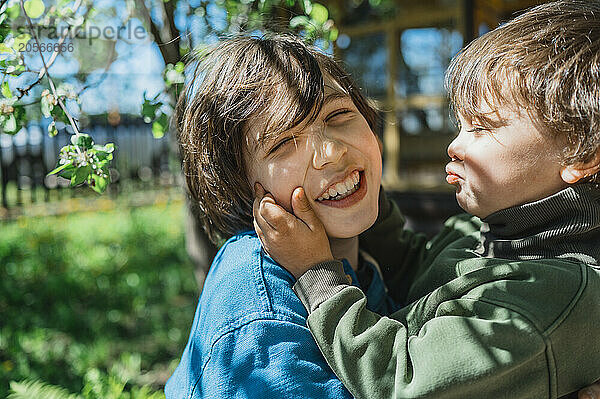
296, 241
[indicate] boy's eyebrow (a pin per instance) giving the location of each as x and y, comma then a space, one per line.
336, 95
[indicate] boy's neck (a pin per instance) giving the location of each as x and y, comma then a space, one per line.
345, 248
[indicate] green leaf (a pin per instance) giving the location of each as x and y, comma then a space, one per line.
61, 168
67, 173
58, 114
20, 41
46, 106
52, 131
333, 34
34, 8
99, 183
10, 124
5, 90
14, 11
300, 20
20, 115
319, 13
306, 6
149, 108
81, 175
103, 156
82, 140
36, 389
160, 126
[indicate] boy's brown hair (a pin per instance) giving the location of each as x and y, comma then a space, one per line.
276, 79
547, 62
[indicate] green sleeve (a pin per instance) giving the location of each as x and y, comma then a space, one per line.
399, 252
403, 254
464, 349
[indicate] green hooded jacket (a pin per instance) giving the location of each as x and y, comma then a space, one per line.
504, 308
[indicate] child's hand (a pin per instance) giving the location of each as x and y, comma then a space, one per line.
296, 241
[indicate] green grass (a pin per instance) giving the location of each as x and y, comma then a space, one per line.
92, 294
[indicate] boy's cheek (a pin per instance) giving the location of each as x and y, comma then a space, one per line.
277, 182
282, 196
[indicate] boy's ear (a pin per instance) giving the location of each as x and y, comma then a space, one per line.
573, 173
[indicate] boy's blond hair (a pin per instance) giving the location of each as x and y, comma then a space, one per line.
547, 62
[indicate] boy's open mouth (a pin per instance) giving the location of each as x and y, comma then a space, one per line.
347, 192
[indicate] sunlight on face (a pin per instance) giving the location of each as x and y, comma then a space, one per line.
336, 159
497, 168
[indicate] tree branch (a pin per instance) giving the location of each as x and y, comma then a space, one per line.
168, 46
63, 37
174, 39
141, 5
60, 102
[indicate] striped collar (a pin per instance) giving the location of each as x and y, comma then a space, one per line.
563, 225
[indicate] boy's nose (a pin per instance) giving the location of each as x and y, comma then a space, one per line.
327, 151
456, 147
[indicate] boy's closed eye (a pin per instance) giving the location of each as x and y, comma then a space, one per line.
281, 143
478, 130
339, 116
336, 117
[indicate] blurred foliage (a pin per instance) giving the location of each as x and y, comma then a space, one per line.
93, 302
21, 102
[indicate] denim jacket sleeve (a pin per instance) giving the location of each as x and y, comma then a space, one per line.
267, 358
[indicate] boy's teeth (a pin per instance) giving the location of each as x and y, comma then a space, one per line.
343, 188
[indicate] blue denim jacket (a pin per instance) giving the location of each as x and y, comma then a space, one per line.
249, 337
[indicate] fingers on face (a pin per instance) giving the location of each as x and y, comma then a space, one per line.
300, 203
299, 197
276, 216
261, 237
270, 217
259, 231
303, 210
